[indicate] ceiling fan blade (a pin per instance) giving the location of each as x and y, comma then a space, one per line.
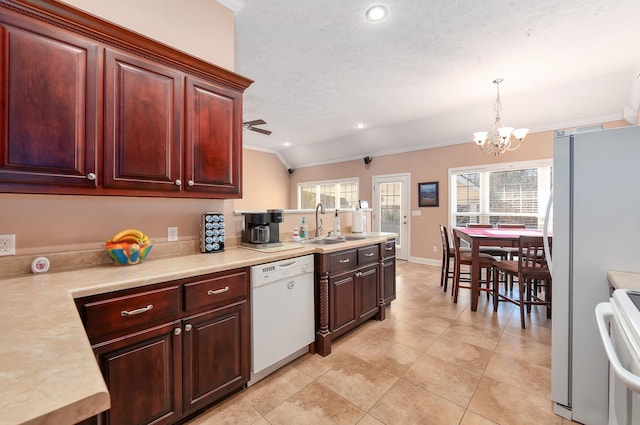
259, 130
255, 122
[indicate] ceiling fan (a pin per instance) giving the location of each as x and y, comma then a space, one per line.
249, 125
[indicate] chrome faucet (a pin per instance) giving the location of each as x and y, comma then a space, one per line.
319, 224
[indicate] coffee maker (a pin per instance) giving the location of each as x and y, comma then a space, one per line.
262, 230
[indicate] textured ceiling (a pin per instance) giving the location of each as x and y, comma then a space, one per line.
423, 77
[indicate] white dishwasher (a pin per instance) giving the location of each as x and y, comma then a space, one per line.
282, 314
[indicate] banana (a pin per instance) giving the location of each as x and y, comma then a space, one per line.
131, 236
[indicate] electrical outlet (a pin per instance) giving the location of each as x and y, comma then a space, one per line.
7, 245
435, 248
172, 234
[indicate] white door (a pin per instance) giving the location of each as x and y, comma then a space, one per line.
391, 208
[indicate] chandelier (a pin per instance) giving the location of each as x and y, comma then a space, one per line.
500, 138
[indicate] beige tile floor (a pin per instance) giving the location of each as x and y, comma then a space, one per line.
430, 362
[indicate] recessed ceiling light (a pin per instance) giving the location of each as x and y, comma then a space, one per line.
359, 125
376, 13
287, 144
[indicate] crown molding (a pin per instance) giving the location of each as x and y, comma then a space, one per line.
235, 5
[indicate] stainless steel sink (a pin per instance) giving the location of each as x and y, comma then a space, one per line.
354, 237
324, 241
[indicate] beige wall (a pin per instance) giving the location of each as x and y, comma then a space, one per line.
265, 182
202, 28
425, 166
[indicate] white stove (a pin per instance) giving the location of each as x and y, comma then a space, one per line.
619, 326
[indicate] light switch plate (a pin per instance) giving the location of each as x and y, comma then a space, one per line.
172, 234
417, 213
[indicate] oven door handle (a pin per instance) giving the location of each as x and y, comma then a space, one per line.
604, 313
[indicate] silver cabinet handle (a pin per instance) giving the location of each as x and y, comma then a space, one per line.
136, 311
178, 182
91, 176
177, 331
369, 254
190, 183
389, 248
346, 260
187, 327
217, 291
291, 284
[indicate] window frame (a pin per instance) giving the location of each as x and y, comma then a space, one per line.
337, 188
484, 170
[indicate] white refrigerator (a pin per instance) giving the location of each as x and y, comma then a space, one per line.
596, 228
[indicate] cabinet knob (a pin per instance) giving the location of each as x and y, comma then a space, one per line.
178, 182
177, 331
359, 274
91, 176
187, 327
190, 183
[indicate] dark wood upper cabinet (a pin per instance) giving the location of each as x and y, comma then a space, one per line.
143, 124
49, 106
213, 151
88, 107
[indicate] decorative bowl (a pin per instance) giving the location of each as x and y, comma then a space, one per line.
126, 253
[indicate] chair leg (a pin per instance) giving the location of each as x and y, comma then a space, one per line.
496, 288
445, 274
456, 283
521, 286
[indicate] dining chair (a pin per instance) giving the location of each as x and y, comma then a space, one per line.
512, 252
448, 257
464, 258
533, 275
511, 226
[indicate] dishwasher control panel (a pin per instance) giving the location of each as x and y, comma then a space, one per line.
271, 272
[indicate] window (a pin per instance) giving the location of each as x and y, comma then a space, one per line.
337, 194
503, 193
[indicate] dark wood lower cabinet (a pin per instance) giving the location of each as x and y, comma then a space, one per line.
170, 349
141, 370
215, 355
351, 288
367, 292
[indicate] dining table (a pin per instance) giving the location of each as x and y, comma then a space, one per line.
479, 237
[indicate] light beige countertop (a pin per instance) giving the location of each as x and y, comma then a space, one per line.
48, 373
623, 280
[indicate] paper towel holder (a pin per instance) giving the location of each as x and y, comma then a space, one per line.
363, 203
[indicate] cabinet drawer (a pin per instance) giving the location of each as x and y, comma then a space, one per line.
343, 260
213, 290
116, 314
389, 249
368, 254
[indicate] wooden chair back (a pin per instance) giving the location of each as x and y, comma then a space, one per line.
511, 226
532, 262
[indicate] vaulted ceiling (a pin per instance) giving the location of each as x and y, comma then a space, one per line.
423, 76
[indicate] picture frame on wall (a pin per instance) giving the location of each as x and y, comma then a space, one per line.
428, 195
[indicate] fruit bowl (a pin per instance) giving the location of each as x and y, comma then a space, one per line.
127, 253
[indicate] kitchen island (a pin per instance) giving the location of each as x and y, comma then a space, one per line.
48, 371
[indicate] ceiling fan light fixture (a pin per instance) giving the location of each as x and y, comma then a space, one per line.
376, 13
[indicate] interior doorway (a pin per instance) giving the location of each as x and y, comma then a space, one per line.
391, 208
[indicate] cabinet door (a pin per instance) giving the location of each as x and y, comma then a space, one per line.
143, 374
215, 354
367, 292
389, 276
48, 106
213, 147
143, 124
342, 301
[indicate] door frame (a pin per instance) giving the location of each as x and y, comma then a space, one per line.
402, 251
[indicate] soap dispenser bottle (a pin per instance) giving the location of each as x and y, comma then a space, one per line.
336, 225
303, 232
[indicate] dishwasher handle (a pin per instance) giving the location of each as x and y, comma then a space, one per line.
604, 313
